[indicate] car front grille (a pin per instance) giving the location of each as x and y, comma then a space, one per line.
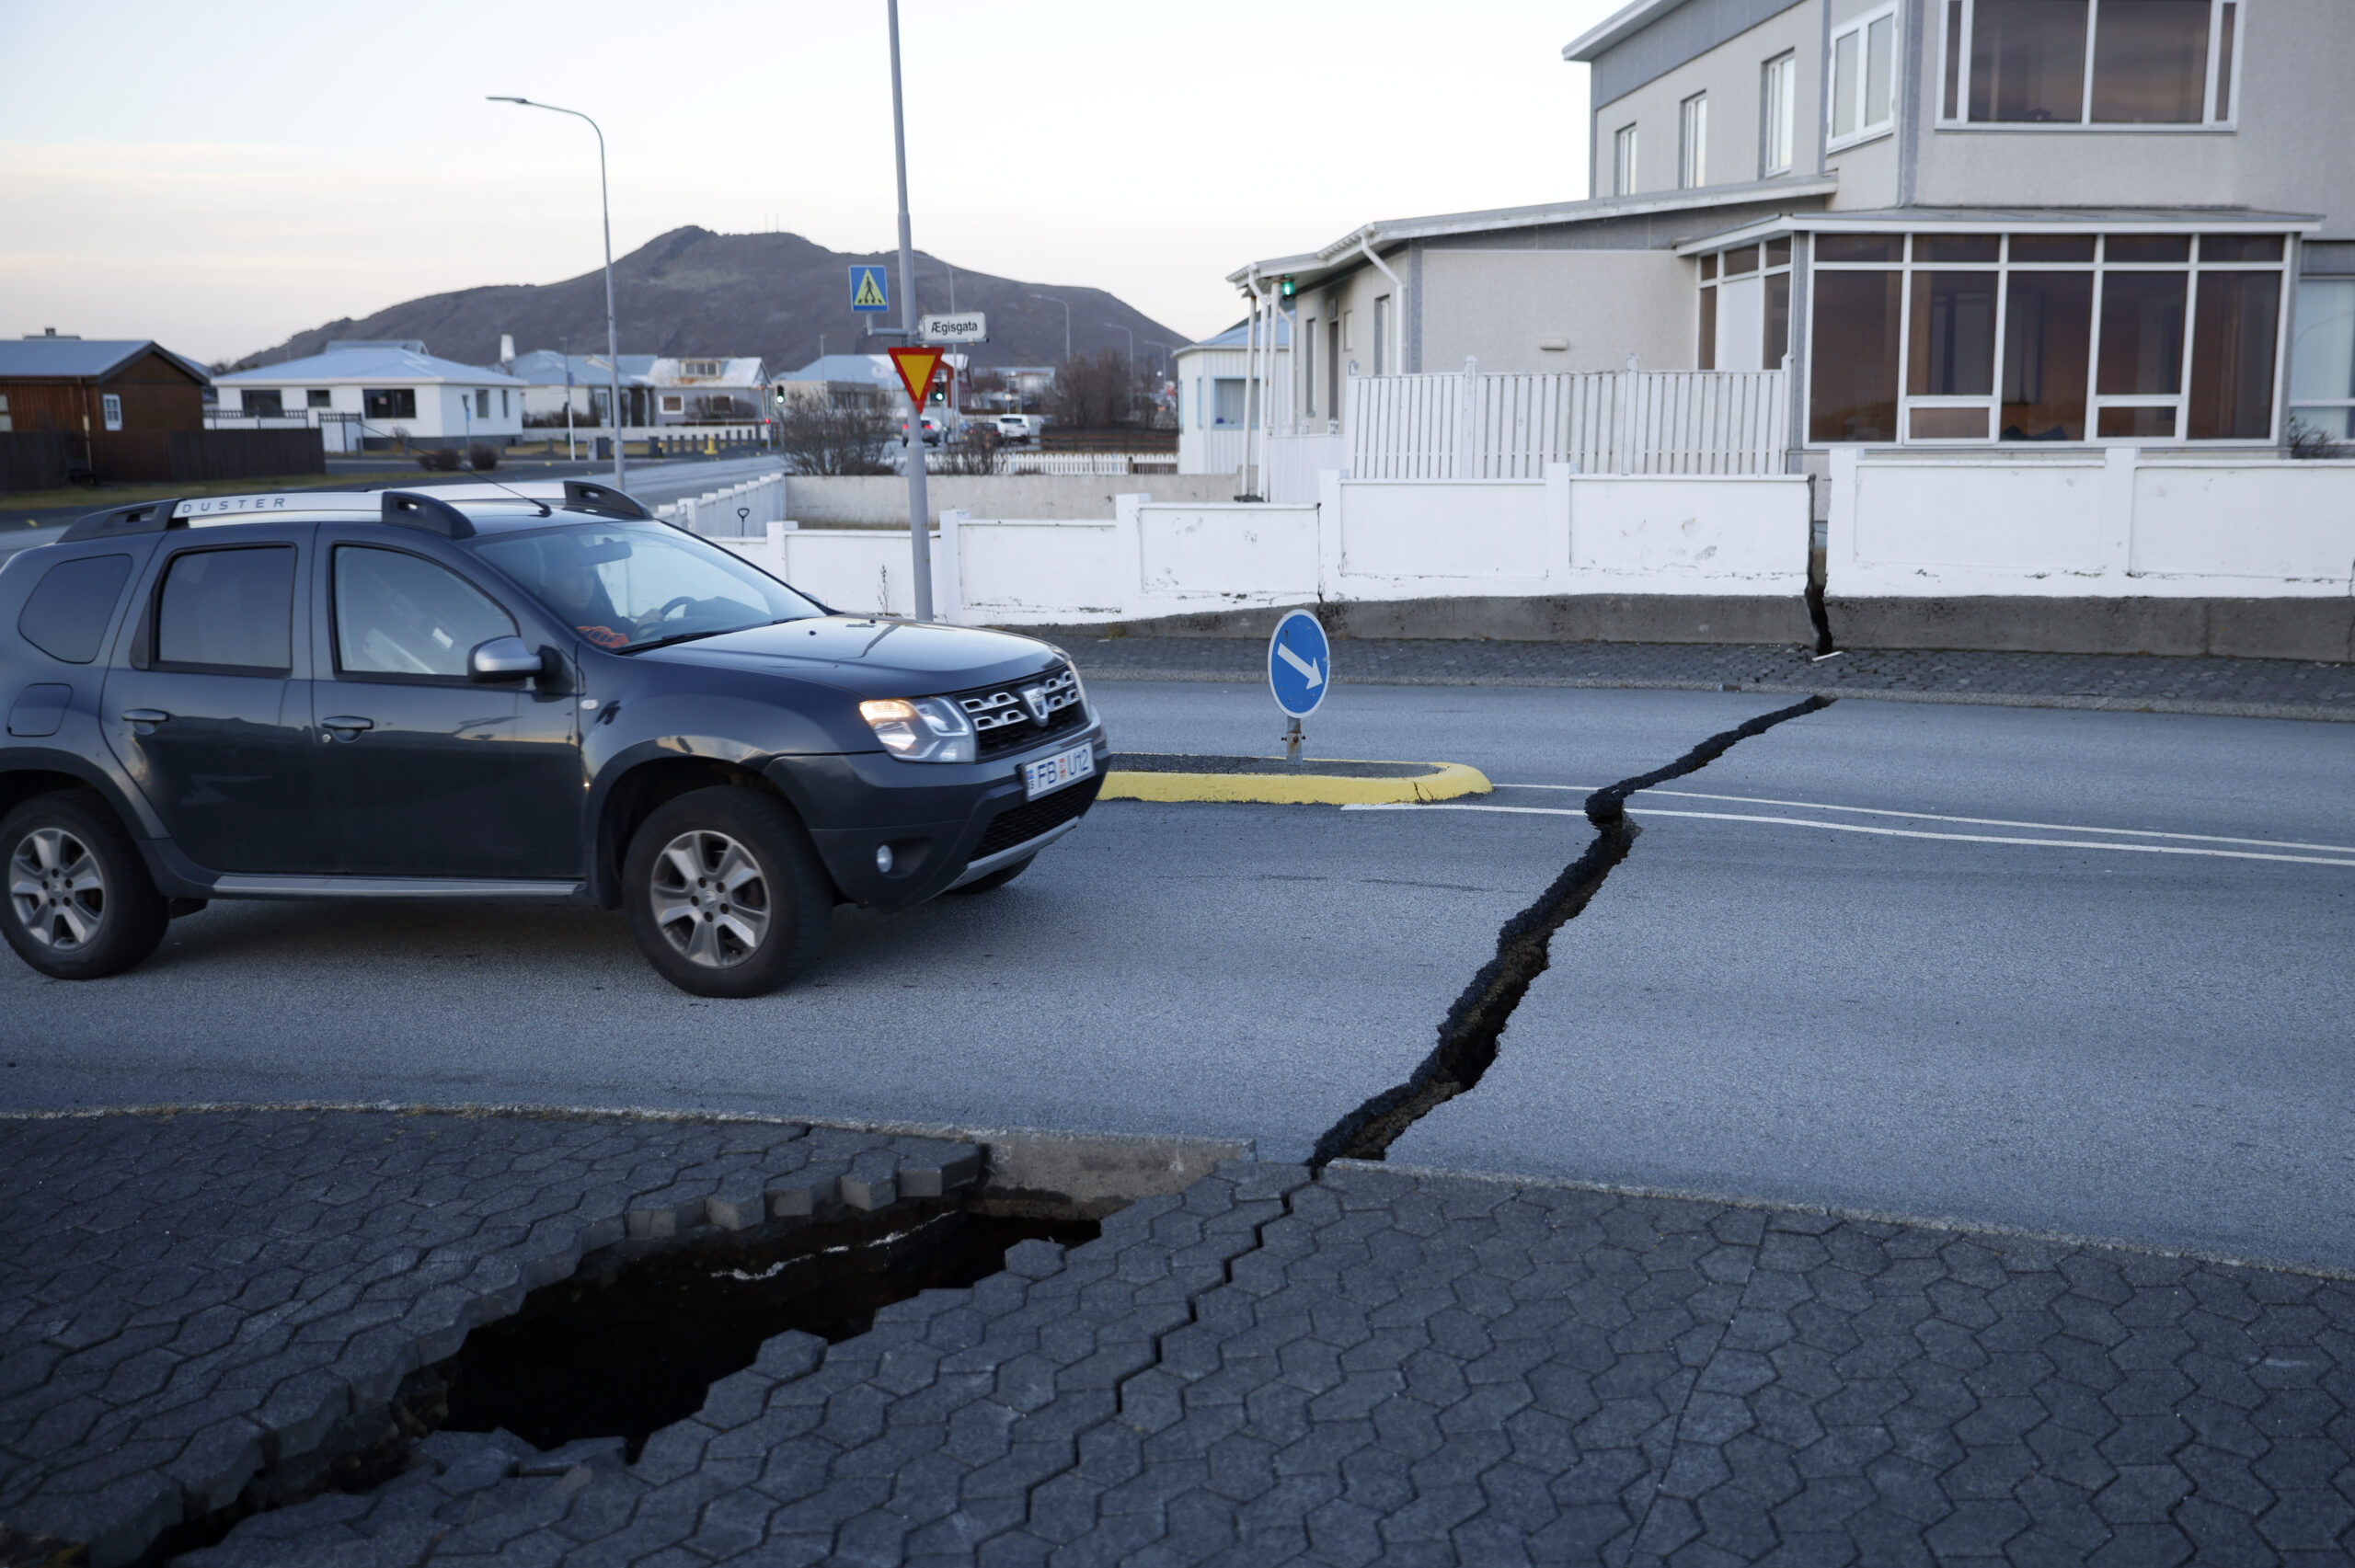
1003, 718
1033, 817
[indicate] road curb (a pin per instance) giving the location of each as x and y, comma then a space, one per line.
1365, 782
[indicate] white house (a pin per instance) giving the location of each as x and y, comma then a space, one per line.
1214, 382
716, 391
834, 381
587, 380
377, 395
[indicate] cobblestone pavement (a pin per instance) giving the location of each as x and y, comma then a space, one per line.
1355, 1366
186, 1297
2261, 688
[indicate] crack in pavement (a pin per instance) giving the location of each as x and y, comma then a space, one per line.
1468, 1035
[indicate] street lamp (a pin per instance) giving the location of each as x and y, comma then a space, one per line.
1132, 342
612, 340
1052, 300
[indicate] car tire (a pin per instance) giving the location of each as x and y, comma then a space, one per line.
998, 878
79, 903
725, 893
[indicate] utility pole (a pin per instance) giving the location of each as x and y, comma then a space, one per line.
919, 505
1132, 344
1066, 304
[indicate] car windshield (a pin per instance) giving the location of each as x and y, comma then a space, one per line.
632, 585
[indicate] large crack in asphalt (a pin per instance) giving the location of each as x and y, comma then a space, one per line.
1468, 1033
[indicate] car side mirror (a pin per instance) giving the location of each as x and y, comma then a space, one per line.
503, 658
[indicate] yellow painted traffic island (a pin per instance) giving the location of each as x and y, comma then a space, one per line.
1176, 776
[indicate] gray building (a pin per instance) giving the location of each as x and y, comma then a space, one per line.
1958, 223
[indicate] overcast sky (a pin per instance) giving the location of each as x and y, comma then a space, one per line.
217, 176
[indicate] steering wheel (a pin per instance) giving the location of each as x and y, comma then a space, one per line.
654, 618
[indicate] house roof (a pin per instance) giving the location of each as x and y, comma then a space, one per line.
544, 367
83, 359
737, 372
376, 366
875, 368
1620, 24
1342, 253
1238, 336
1998, 219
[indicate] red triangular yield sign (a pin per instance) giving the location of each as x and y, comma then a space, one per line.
916, 367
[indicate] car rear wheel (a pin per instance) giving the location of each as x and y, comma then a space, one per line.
79, 905
998, 878
726, 896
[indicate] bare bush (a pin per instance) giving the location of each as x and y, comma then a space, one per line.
2312, 444
1099, 393
853, 439
482, 459
974, 451
438, 459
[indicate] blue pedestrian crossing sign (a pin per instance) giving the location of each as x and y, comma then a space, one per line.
1300, 664
868, 291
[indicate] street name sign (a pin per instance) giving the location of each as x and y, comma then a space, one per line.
868, 289
917, 368
1300, 664
971, 327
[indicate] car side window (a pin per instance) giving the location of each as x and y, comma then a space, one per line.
229, 610
400, 614
66, 616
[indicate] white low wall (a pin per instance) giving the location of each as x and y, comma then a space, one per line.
1364, 540
2118, 522
738, 511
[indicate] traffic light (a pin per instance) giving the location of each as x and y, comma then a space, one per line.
939, 389
1286, 287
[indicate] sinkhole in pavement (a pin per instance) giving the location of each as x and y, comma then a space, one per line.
632, 1342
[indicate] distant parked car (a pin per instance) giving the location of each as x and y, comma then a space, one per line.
1013, 428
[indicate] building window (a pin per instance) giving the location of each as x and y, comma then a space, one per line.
1693, 143
699, 367
1745, 317
1623, 162
1864, 78
2089, 61
318, 397
2322, 364
1380, 334
110, 409
2046, 338
263, 404
671, 404
1308, 363
1226, 402
502, 403
1778, 105
388, 403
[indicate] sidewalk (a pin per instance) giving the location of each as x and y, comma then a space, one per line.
2253, 688
1344, 1367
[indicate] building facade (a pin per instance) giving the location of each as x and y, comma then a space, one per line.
380, 395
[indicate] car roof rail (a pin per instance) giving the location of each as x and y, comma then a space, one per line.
415, 508
142, 516
604, 500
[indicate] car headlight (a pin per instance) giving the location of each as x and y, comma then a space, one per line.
921, 729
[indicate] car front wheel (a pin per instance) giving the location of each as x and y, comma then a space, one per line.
80, 905
726, 896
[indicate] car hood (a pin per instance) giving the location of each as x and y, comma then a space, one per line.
870, 656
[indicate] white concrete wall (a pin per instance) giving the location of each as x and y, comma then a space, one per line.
882, 500
1363, 540
2117, 522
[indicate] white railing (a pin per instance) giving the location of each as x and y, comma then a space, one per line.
739, 511
1469, 426
1294, 462
1106, 463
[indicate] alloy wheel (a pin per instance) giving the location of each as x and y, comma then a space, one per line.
57, 890
710, 900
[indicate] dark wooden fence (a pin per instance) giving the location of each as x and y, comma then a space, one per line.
155, 457
36, 460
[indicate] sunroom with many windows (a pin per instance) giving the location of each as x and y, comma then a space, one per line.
1980, 331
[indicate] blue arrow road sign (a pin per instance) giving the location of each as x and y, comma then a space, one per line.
1300, 664
868, 291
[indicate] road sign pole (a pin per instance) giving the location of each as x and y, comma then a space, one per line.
919, 504
1300, 673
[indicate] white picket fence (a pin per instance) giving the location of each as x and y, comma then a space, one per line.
739, 511
1470, 426
1105, 464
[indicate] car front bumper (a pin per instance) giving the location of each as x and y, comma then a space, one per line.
940, 820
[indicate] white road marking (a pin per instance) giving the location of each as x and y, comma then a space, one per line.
1971, 822
1877, 832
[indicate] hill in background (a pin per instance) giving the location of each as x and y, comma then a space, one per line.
691, 291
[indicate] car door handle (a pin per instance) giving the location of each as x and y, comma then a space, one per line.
143, 721
345, 725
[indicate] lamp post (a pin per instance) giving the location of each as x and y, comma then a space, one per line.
919, 507
1133, 343
564, 346
612, 339
1052, 300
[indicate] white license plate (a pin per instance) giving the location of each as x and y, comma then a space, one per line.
1053, 772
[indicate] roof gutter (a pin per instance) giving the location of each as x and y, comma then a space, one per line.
1397, 303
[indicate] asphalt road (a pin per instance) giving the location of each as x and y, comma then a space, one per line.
2099, 1041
